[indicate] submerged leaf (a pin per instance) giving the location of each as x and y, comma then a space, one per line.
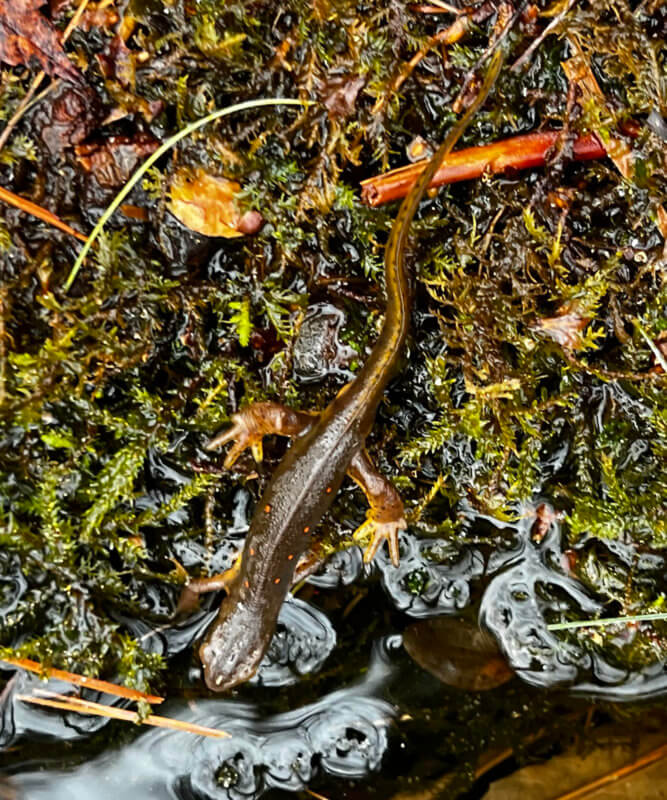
457, 653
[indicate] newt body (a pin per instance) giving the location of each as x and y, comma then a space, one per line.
296, 498
325, 448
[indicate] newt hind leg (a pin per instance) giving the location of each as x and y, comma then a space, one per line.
251, 424
193, 587
386, 515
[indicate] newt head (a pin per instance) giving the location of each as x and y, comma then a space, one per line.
233, 648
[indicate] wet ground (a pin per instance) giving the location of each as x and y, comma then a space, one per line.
525, 427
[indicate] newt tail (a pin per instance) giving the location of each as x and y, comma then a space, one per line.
326, 447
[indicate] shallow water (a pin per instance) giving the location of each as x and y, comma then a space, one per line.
346, 733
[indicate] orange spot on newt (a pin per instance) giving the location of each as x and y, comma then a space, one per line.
328, 489
277, 581
306, 529
247, 584
290, 556
252, 551
267, 508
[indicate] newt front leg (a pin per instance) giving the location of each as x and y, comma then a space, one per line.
193, 587
251, 424
385, 518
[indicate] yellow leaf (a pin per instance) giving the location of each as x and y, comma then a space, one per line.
205, 204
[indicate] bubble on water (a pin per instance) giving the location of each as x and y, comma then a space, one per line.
528, 587
432, 578
351, 737
341, 569
344, 734
227, 769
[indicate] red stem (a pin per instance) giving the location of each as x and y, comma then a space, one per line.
519, 152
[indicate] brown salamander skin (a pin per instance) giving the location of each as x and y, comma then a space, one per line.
300, 491
325, 448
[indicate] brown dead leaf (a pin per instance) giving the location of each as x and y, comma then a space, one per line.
118, 62
566, 329
113, 161
579, 72
544, 517
458, 653
341, 95
25, 34
205, 204
68, 119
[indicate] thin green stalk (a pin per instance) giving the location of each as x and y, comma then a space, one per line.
148, 163
599, 623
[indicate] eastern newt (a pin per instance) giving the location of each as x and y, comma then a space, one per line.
326, 447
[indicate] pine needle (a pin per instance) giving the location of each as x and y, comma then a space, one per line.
37, 211
80, 706
618, 774
316, 795
598, 623
82, 680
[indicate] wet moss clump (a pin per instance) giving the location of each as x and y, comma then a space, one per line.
539, 299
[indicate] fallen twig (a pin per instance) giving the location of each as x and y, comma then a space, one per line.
37, 211
612, 777
82, 680
519, 152
65, 703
